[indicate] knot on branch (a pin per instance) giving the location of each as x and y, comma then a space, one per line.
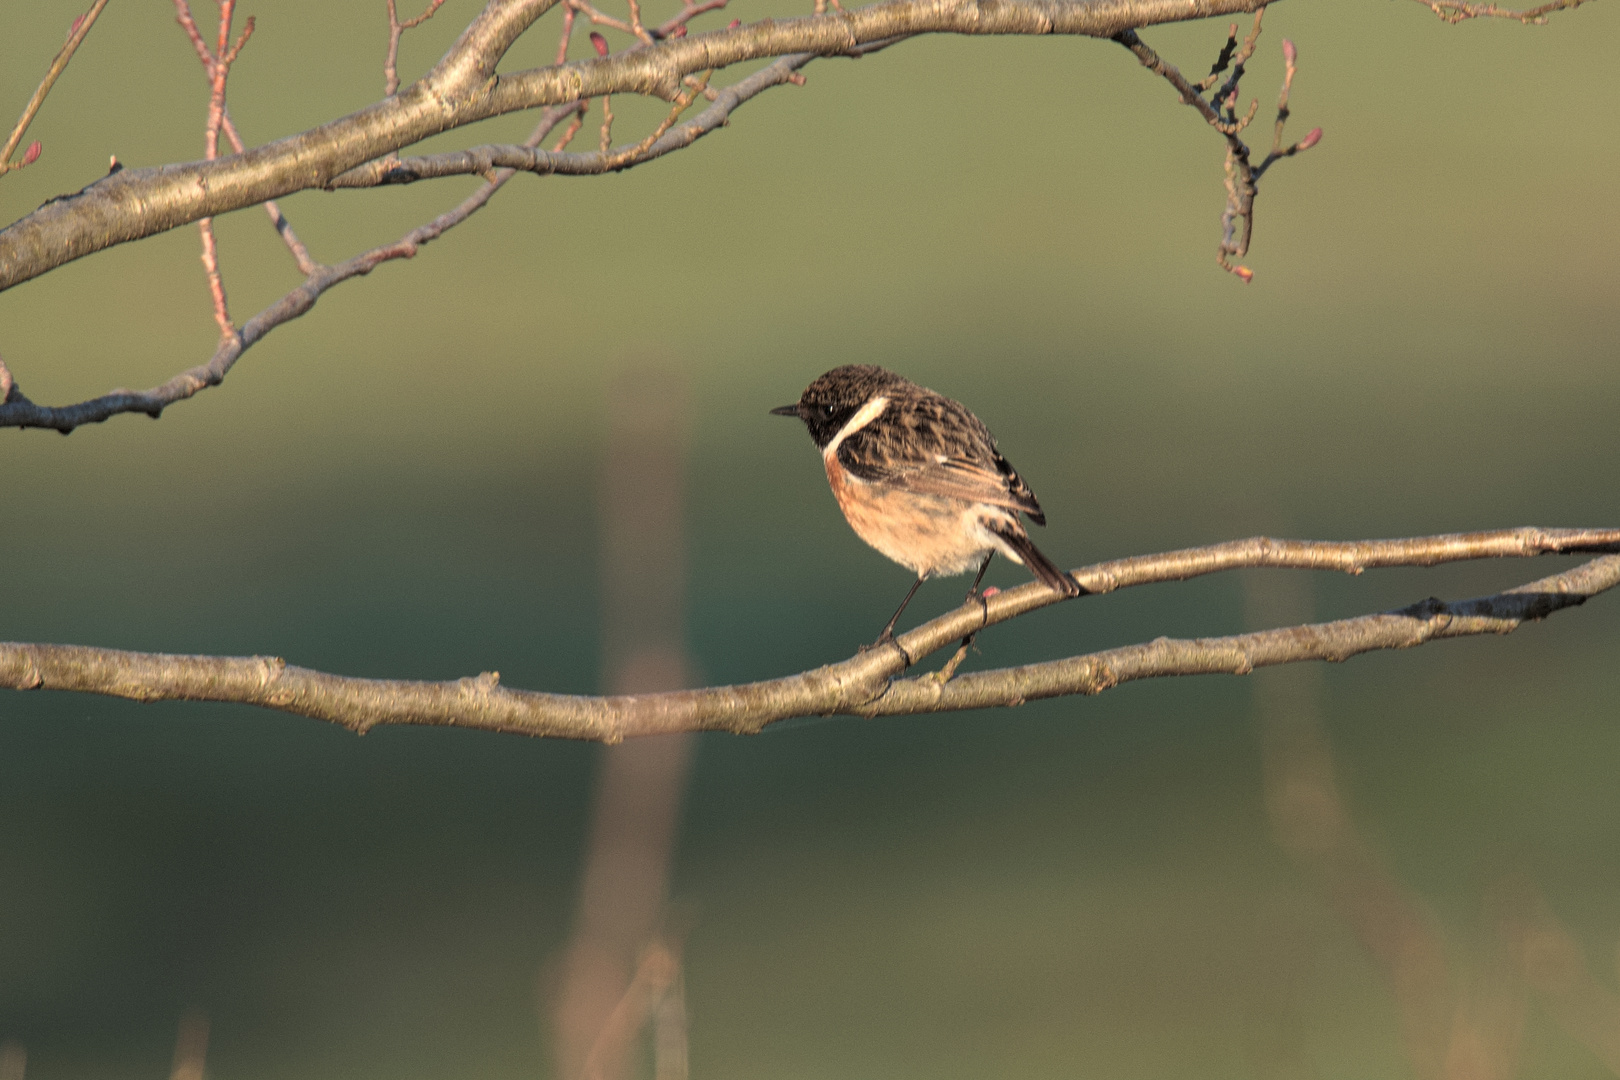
1423, 610
481, 685
271, 669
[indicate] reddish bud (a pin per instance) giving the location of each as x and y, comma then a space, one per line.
1290, 53
1244, 273
74, 29
1311, 139
31, 155
989, 592
733, 24
599, 43
678, 32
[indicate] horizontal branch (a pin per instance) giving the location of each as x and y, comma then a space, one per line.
463, 88
1240, 654
868, 684
479, 160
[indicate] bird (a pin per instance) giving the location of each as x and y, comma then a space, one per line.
919, 478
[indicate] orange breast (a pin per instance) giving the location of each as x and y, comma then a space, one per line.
930, 534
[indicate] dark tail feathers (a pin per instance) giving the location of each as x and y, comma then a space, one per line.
1038, 564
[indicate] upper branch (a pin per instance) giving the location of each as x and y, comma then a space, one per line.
868, 684
463, 88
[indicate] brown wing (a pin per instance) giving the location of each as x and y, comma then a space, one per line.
927, 443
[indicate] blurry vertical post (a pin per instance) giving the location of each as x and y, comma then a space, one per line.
622, 968
13, 1061
1456, 1023
190, 1046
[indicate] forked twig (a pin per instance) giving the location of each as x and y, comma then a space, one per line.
76, 36
396, 30
217, 63
1242, 177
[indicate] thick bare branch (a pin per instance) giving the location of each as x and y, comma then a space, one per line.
479, 160
868, 684
462, 88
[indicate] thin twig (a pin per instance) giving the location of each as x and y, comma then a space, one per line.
635, 23
573, 128
600, 18
1456, 11
687, 13
498, 163
606, 139
567, 32
81, 30
868, 684
217, 63
1241, 176
396, 30
478, 160
458, 91
17, 411
306, 262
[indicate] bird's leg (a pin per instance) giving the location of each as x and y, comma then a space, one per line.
888, 631
979, 577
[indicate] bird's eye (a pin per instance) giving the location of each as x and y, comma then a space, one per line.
827, 411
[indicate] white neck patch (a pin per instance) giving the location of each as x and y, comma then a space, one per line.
868, 413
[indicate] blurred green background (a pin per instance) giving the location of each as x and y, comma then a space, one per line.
401, 484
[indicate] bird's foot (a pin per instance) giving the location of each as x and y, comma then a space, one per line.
888, 638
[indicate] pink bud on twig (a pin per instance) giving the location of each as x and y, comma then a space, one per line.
1290, 53
678, 32
599, 43
733, 24
31, 155
74, 29
989, 592
1244, 273
1311, 139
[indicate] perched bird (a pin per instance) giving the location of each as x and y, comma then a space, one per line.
919, 478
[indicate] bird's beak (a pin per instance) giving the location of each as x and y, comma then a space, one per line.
786, 410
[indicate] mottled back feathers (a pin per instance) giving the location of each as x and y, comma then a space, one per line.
922, 441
